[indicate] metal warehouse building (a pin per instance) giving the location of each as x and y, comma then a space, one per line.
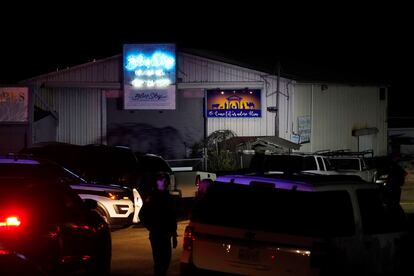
83, 105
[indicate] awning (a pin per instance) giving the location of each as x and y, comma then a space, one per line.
365, 131
247, 142
280, 142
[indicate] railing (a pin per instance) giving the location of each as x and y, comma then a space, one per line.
346, 152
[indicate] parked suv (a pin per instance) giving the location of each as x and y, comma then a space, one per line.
296, 225
290, 164
46, 221
104, 171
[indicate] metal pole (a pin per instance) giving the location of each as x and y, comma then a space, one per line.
277, 100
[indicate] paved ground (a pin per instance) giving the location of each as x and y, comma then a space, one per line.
407, 195
131, 252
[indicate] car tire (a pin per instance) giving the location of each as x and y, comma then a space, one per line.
102, 212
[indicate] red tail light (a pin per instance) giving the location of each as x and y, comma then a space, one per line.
188, 238
10, 222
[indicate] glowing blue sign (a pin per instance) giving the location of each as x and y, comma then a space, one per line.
156, 61
149, 76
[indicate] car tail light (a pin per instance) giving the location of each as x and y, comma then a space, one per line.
188, 238
4, 252
10, 222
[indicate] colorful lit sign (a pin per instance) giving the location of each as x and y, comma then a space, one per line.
14, 104
239, 103
149, 76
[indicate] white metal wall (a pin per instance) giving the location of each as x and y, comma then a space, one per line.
193, 69
81, 114
82, 111
335, 111
338, 110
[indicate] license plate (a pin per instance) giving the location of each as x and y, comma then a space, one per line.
249, 255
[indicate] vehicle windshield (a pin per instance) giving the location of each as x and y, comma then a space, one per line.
281, 163
317, 214
345, 163
153, 164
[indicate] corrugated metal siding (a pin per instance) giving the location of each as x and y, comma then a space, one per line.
191, 69
80, 113
338, 110
194, 69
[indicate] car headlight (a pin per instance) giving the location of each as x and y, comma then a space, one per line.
116, 195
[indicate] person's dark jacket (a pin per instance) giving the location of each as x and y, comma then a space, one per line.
158, 214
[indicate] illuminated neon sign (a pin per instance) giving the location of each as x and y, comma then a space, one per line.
149, 76
238, 103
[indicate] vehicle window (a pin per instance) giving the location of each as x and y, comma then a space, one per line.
320, 163
107, 164
310, 163
283, 163
42, 171
345, 163
363, 165
257, 163
328, 164
318, 214
377, 216
153, 164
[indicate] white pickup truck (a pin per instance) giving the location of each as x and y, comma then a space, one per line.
187, 176
187, 182
354, 165
347, 162
291, 164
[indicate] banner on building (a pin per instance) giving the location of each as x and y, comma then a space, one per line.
304, 129
14, 104
234, 103
149, 76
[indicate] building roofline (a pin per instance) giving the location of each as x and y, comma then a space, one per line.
350, 83
69, 69
216, 57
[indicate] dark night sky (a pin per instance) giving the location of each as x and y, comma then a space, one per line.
363, 45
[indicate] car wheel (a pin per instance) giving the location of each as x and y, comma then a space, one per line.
101, 211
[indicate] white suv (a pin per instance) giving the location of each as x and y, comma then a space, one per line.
291, 163
114, 203
304, 225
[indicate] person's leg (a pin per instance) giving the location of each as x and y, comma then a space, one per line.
161, 253
156, 255
167, 251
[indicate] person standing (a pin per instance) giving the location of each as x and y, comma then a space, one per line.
159, 217
396, 179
